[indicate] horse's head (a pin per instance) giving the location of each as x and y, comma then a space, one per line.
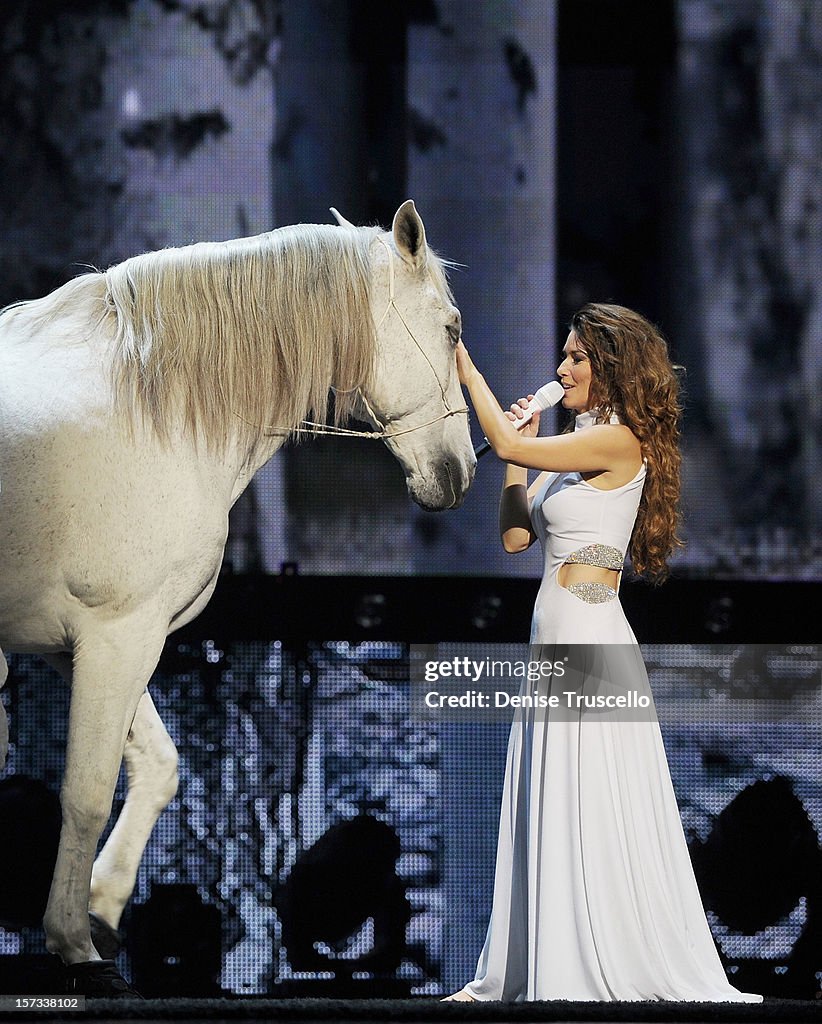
415, 396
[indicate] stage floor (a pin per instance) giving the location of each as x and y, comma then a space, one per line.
427, 1011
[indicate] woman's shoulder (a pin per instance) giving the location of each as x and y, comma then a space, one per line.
625, 458
621, 437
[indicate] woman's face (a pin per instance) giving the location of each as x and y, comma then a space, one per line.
574, 374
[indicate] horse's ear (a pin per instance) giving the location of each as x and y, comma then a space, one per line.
409, 234
340, 219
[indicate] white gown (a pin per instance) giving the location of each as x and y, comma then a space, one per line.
594, 893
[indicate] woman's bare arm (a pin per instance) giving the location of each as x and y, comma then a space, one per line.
515, 527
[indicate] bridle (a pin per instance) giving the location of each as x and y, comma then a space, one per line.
383, 434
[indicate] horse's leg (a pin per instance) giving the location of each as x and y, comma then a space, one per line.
112, 665
4, 722
151, 766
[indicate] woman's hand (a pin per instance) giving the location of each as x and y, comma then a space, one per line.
516, 413
465, 366
500, 432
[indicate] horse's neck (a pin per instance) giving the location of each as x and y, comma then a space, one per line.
246, 467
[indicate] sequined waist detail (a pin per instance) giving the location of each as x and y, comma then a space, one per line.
592, 593
602, 555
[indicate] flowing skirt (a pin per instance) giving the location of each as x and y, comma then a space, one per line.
594, 893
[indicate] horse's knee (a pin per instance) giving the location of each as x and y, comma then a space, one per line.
85, 814
153, 764
168, 774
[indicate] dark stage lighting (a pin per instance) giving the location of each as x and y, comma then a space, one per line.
370, 611
343, 908
176, 944
761, 857
30, 820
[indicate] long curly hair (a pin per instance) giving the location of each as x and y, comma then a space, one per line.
632, 376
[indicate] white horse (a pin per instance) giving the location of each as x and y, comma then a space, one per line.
135, 407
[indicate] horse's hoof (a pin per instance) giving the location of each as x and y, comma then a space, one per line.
107, 940
98, 979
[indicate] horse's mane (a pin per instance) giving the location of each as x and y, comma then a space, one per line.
233, 336
244, 334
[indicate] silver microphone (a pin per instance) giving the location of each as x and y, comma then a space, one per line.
548, 395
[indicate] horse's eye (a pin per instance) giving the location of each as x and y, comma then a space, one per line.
454, 332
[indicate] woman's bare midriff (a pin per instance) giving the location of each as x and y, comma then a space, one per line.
578, 573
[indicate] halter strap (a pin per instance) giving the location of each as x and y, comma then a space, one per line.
393, 305
384, 433
391, 302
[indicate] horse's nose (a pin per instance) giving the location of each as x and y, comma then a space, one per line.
459, 479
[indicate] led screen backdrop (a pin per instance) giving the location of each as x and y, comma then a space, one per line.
668, 162
322, 828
